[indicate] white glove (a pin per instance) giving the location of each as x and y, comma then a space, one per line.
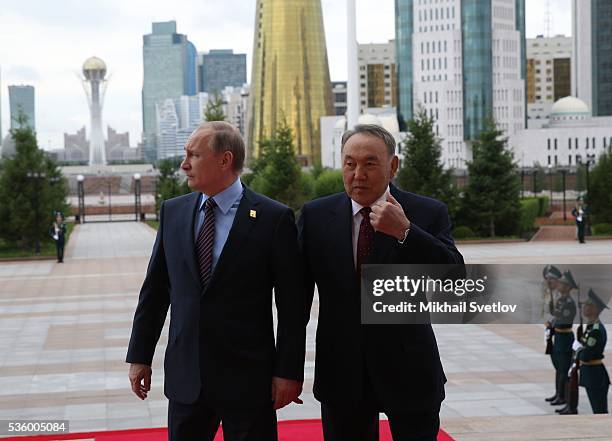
569, 373
547, 333
576, 346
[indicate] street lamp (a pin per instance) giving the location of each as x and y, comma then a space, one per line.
37, 177
81, 198
137, 195
550, 183
563, 173
533, 180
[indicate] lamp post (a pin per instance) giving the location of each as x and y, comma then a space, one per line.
550, 183
36, 177
110, 206
533, 180
137, 195
81, 198
563, 173
522, 182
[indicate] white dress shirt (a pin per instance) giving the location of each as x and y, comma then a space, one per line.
357, 218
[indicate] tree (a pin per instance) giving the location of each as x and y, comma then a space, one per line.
599, 197
421, 170
490, 203
277, 173
168, 184
32, 189
214, 109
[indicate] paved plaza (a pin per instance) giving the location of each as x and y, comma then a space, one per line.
64, 330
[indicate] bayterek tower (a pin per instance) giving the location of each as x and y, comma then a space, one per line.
94, 71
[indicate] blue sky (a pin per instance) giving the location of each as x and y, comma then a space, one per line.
44, 44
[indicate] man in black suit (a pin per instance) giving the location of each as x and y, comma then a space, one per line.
363, 370
218, 254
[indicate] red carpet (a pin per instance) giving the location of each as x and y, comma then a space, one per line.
299, 430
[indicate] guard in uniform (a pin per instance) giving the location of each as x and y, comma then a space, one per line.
593, 374
551, 275
580, 214
564, 314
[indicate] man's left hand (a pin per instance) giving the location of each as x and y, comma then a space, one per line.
389, 218
285, 391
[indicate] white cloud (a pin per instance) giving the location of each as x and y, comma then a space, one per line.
45, 43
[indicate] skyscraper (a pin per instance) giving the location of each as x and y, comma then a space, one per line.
377, 77
548, 75
290, 75
463, 61
592, 79
220, 68
169, 61
21, 101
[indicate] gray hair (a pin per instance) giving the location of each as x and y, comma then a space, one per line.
372, 130
225, 138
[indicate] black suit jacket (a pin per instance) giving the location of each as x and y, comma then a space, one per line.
221, 339
402, 361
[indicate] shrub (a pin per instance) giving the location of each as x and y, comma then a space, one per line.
463, 232
602, 229
328, 182
530, 209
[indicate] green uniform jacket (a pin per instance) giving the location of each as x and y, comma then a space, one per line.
594, 343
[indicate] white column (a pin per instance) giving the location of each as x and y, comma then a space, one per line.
352, 88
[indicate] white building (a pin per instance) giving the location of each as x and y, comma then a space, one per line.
460, 87
332, 128
548, 75
236, 105
571, 137
377, 76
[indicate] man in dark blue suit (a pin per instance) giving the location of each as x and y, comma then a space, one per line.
363, 370
219, 253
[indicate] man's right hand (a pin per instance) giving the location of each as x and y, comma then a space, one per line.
140, 379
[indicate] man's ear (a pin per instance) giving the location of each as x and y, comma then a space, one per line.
394, 165
228, 159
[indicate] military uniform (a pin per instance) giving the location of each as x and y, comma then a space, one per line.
547, 310
580, 214
564, 314
593, 374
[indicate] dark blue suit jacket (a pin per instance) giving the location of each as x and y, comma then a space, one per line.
221, 341
402, 361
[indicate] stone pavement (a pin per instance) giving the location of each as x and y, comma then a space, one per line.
64, 330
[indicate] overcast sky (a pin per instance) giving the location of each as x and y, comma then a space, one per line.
44, 43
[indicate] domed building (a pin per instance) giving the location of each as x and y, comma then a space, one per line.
571, 137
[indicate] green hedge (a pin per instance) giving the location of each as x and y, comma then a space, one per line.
530, 210
602, 229
463, 232
329, 182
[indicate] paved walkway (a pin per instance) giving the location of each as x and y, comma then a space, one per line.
64, 330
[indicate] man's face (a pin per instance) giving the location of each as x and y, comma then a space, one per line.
590, 312
551, 282
367, 168
203, 167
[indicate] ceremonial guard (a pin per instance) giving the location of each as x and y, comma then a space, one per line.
550, 274
593, 374
564, 314
580, 214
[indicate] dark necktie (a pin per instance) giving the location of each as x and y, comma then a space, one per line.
204, 244
365, 241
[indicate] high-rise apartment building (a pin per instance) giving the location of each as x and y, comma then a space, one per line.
169, 61
290, 75
548, 74
220, 68
21, 102
377, 75
339, 97
592, 30
463, 62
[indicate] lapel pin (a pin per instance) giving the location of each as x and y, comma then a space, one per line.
253, 214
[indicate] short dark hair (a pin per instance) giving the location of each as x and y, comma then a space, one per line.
372, 130
226, 138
